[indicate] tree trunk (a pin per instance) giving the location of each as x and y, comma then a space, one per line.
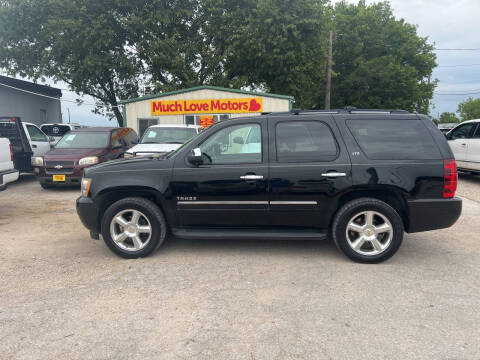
119, 116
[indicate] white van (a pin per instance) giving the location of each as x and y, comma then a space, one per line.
162, 139
464, 140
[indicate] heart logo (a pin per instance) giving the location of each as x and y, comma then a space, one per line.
254, 106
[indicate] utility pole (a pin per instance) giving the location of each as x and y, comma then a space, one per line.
68, 109
329, 73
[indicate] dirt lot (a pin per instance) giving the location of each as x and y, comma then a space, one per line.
63, 295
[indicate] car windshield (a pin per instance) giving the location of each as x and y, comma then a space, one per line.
55, 130
84, 140
167, 135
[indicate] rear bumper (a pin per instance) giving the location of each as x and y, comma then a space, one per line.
88, 213
432, 214
8, 177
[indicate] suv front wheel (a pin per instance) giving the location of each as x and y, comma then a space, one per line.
133, 227
368, 230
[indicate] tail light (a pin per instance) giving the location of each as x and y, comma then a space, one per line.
450, 178
11, 152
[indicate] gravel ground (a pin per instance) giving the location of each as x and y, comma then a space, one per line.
63, 295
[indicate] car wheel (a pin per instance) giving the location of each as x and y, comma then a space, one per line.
368, 230
133, 227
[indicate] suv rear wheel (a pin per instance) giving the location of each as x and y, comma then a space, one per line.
368, 230
133, 227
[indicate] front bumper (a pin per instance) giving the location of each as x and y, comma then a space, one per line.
88, 213
433, 214
73, 176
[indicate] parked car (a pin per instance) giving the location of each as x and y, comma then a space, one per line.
161, 139
57, 131
79, 149
464, 140
446, 127
27, 141
363, 177
8, 173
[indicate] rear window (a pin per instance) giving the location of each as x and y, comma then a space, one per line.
55, 130
394, 139
305, 141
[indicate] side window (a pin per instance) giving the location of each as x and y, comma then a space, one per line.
233, 145
462, 132
305, 141
36, 134
477, 132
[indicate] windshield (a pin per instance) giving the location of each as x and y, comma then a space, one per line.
167, 135
55, 130
84, 140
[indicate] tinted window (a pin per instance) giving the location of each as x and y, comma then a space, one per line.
477, 132
394, 139
305, 141
461, 131
36, 134
233, 145
84, 140
55, 130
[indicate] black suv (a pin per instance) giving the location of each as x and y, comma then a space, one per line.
362, 177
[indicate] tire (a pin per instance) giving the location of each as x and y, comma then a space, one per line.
136, 241
364, 240
46, 186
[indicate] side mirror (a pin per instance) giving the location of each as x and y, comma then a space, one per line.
195, 157
51, 139
238, 140
135, 141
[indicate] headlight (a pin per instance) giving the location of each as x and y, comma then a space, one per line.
86, 186
128, 155
91, 160
37, 161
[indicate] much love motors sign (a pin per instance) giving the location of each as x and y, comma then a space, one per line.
215, 106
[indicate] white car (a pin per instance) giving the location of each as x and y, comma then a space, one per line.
7, 172
162, 139
464, 140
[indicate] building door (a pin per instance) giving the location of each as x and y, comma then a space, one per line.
144, 124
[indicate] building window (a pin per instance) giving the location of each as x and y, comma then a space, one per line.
144, 124
205, 119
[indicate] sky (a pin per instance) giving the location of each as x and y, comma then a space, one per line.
447, 23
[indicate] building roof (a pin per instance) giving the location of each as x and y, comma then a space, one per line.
206, 87
30, 86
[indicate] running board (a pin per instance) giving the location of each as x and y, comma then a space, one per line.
248, 234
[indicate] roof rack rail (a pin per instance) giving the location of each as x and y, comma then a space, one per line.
347, 109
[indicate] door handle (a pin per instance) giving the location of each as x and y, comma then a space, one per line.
334, 174
34, 146
251, 177
464, 144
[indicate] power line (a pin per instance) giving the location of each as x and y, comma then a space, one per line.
459, 65
464, 49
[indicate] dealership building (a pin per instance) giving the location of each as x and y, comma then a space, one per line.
202, 105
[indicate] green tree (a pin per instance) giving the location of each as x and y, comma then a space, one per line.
84, 43
448, 117
380, 61
469, 109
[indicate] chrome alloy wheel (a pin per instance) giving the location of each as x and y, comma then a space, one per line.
369, 233
130, 230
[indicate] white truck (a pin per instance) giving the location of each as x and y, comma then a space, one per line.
8, 173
